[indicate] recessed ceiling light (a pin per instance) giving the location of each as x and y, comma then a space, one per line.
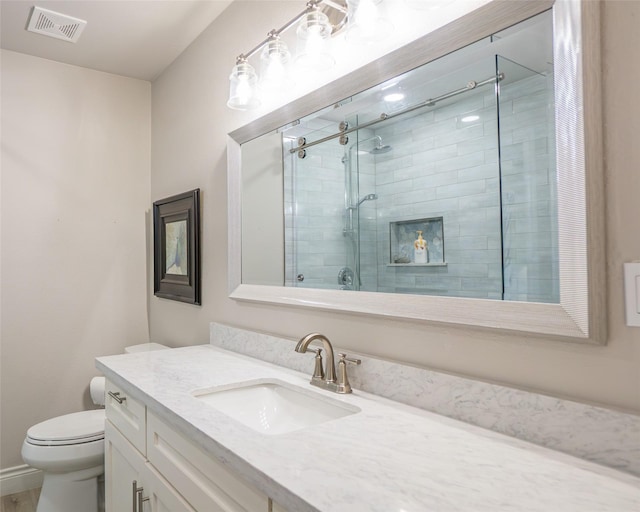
394, 96
469, 119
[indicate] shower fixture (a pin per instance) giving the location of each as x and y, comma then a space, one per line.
380, 148
368, 197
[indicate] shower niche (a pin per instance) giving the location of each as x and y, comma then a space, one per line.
402, 239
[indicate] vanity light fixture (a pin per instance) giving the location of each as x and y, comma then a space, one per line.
316, 24
470, 119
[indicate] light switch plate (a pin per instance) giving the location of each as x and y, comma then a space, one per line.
632, 293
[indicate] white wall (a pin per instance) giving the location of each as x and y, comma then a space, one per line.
190, 122
75, 196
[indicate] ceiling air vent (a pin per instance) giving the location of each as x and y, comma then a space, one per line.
54, 24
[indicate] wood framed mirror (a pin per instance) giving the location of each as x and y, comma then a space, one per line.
579, 314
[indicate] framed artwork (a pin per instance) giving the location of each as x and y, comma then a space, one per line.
176, 247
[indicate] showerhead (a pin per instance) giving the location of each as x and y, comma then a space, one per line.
368, 197
379, 149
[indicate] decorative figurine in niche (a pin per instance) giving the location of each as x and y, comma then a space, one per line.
420, 250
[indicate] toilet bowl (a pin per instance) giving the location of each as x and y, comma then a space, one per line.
69, 450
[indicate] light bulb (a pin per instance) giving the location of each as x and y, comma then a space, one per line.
367, 23
366, 16
313, 35
273, 70
244, 90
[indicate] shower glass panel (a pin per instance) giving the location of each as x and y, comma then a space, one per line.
360, 207
529, 186
314, 203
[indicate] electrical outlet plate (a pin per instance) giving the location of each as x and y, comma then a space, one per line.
632, 293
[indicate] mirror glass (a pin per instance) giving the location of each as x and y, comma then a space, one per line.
440, 181
472, 196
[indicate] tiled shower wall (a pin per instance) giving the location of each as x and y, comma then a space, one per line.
440, 166
444, 167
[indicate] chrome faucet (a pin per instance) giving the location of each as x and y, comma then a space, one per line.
327, 379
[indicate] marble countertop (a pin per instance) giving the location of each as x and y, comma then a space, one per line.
388, 457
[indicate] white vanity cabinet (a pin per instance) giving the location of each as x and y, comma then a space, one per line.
131, 484
171, 473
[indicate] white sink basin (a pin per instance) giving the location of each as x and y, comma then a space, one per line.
274, 407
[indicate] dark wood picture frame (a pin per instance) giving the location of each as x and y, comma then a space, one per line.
176, 247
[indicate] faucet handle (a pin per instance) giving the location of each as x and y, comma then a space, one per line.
343, 385
343, 357
318, 371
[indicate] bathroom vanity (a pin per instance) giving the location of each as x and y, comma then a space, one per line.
170, 447
147, 460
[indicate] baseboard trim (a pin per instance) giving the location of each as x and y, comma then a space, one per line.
19, 479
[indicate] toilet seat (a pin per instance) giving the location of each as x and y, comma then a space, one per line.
70, 429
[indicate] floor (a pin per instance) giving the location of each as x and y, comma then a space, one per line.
22, 502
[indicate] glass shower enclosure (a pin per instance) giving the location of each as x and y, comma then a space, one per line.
442, 183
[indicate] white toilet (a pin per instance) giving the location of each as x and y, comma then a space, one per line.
69, 450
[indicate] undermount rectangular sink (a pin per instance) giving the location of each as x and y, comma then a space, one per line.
274, 407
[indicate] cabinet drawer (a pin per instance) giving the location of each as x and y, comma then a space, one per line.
203, 481
127, 414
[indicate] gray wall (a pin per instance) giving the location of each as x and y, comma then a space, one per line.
75, 207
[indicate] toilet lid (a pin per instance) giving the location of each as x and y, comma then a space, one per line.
75, 428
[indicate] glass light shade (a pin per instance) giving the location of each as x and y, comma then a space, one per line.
242, 87
274, 61
367, 23
314, 32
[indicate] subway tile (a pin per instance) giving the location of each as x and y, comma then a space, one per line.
460, 162
468, 269
470, 103
478, 172
467, 188
434, 180
466, 133
467, 242
482, 284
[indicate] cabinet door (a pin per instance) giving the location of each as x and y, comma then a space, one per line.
123, 466
204, 481
162, 497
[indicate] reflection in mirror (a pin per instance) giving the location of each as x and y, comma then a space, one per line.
509, 205
440, 181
